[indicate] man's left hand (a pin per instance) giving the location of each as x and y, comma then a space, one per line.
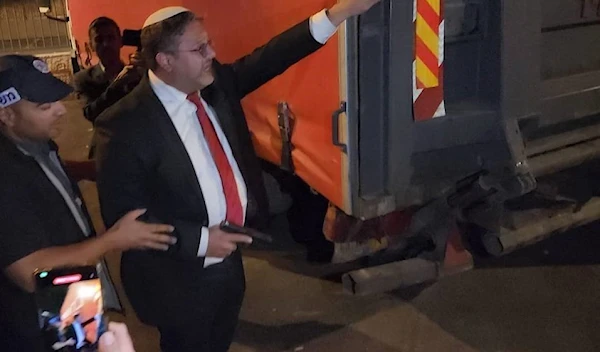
137, 60
345, 9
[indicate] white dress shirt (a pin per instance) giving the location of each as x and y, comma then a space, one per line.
183, 116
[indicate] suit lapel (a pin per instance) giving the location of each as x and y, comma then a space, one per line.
156, 110
217, 99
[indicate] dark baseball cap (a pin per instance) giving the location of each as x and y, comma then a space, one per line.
24, 77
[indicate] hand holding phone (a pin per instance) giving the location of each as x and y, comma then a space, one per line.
116, 339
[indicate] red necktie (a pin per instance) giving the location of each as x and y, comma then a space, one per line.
235, 212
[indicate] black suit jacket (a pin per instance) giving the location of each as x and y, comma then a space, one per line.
142, 163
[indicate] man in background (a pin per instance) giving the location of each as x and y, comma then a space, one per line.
110, 80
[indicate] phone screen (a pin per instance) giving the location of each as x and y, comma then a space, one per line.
70, 308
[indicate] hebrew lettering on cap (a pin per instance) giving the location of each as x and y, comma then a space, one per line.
9, 97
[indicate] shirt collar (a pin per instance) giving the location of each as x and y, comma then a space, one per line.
168, 95
35, 148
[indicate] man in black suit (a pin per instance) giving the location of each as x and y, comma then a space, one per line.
193, 165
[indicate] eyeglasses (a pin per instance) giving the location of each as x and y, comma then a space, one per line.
204, 50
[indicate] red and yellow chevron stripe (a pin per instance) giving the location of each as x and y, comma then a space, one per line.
427, 42
428, 66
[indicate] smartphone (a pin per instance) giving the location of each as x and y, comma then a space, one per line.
131, 37
70, 308
234, 228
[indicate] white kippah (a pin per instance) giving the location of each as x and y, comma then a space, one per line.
163, 14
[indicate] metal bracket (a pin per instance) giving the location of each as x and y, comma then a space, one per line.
286, 122
335, 128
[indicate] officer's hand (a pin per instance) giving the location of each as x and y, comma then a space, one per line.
129, 233
345, 9
116, 339
221, 244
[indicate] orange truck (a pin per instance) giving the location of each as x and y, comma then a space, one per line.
435, 129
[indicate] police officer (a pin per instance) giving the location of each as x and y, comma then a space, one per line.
43, 222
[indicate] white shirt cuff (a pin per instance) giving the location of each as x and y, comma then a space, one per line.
203, 247
321, 27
